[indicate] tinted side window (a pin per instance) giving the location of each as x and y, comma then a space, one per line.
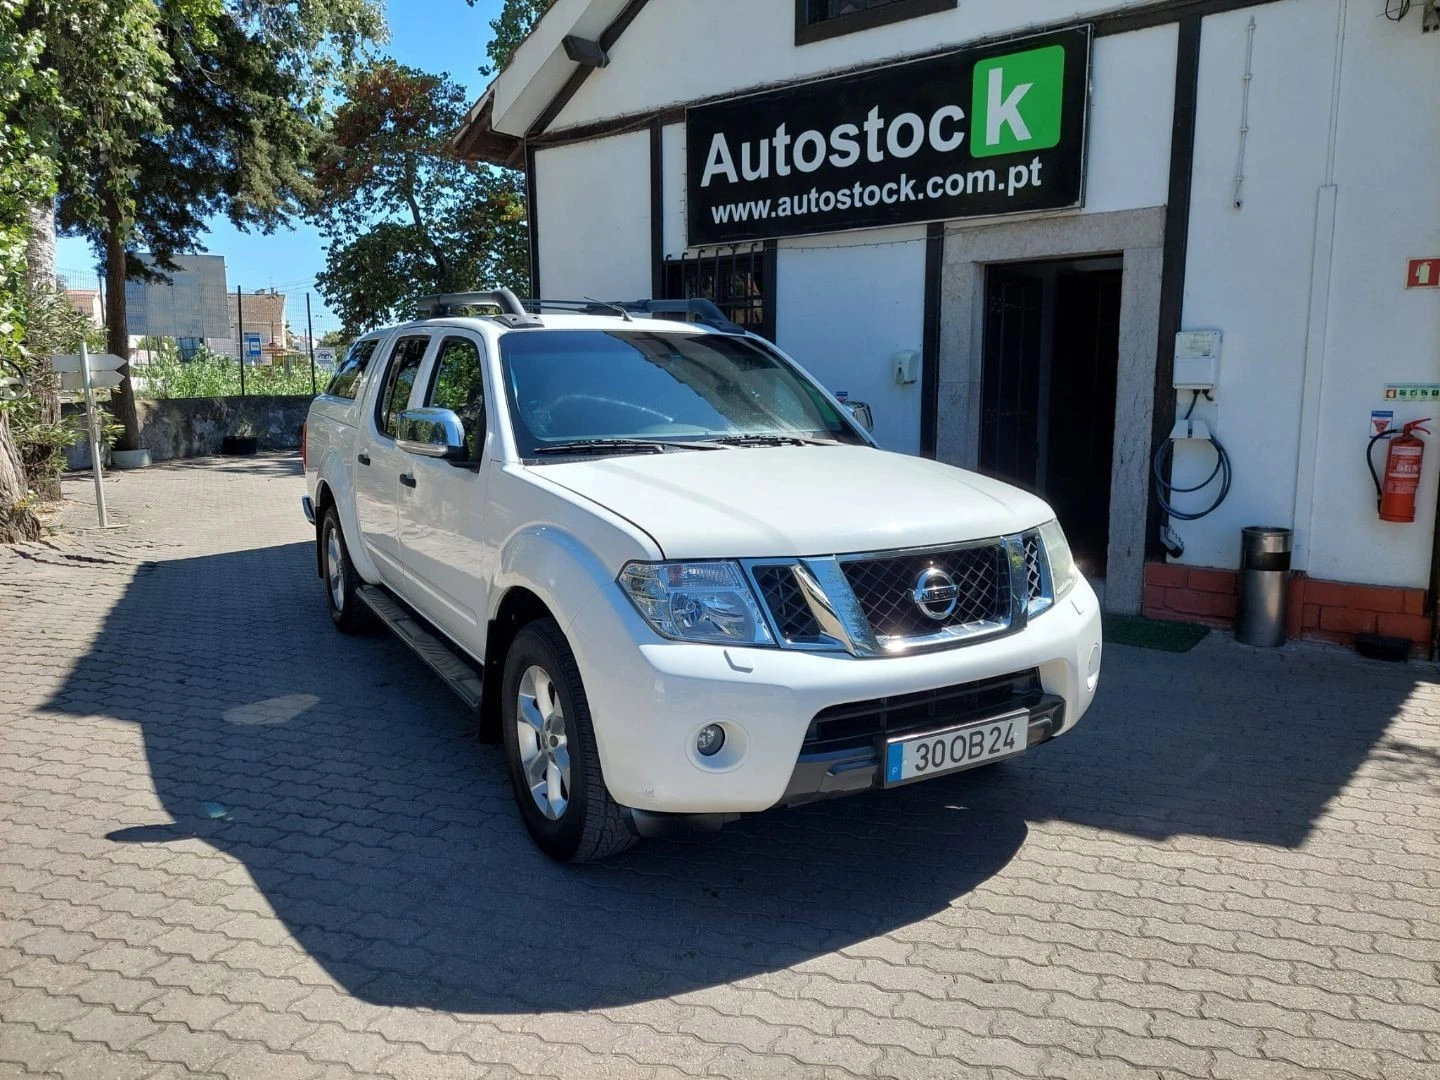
404, 364
459, 387
347, 375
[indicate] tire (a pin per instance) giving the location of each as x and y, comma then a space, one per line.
347, 611
583, 823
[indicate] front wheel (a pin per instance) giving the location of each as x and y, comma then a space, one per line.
347, 611
550, 749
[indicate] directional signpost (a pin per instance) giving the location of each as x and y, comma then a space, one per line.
82, 371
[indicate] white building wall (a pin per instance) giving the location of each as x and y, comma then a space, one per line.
710, 48
1247, 270
1312, 330
845, 306
1132, 104
1386, 176
672, 197
1311, 303
593, 202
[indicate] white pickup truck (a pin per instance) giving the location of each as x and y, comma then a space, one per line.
674, 575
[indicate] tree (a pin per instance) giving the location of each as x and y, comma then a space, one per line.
403, 215
27, 178
516, 19
199, 108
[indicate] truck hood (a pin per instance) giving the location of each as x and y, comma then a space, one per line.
760, 502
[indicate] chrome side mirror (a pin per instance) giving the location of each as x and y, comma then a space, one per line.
860, 410
436, 433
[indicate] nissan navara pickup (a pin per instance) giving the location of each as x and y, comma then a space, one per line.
674, 575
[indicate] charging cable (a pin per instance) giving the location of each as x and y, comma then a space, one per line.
1165, 490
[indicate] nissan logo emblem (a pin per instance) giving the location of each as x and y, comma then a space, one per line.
936, 594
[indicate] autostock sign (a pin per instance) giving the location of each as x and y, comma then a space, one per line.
993, 130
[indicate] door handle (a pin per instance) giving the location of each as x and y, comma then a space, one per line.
407, 479
364, 459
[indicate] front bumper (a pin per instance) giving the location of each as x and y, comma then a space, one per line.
823, 771
649, 697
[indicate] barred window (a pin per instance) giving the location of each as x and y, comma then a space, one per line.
816, 20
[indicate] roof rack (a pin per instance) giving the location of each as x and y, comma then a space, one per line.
697, 309
520, 314
512, 311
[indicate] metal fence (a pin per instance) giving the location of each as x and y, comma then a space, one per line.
287, 336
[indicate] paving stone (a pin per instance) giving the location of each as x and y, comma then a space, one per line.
359, 903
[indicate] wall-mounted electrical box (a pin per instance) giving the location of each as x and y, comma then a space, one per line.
906, 366
1197, 359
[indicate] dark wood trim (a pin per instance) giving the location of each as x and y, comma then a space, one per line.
604, 129
770, 268
1176, 243
559, 101
1126, 22
1104, 25
657, 210
930, 342
608, 37
807, 31
532, 218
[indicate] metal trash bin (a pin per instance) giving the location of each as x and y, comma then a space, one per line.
1264, 581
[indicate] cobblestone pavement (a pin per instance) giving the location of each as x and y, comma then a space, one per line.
236, 843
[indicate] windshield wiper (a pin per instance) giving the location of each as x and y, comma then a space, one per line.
618, 446
767, 439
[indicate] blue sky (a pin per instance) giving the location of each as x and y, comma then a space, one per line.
435, 35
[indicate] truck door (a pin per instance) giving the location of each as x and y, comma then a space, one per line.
448, 564
379, 462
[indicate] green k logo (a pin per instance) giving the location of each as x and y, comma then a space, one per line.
1016, 102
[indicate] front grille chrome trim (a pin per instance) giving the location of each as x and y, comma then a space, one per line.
830, 589
841, 619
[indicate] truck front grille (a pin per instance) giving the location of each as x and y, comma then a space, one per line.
885, 588
887, 602
1035, 576
781, 594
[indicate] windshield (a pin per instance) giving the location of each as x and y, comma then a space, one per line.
569, 386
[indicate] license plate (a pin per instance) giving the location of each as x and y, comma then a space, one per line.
916, 757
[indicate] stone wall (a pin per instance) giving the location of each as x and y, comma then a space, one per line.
193, 427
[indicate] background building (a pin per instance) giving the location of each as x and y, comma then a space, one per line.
190, 307
264, 312
1040, 203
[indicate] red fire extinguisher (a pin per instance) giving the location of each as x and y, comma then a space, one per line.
1396, 494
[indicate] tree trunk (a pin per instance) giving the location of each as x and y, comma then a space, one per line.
17, 521
40, 280
117, 337
40, 245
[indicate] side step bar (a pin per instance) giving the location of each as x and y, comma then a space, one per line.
458, 674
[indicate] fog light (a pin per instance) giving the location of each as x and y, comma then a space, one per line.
710, 740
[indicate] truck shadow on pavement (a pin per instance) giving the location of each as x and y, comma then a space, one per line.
348, 783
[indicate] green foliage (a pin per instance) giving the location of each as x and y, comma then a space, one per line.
52, 325
162, 114
516, 19
403, 215
198, 107
210, 374
27, 175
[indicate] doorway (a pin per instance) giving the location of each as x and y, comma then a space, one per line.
1047, 412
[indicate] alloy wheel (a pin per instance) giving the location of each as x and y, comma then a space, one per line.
335, 569
540, 735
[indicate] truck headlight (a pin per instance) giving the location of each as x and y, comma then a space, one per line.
696, 601
1063, 571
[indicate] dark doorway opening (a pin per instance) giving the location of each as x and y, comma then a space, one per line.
1047, 413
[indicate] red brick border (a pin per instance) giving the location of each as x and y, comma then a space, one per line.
1332, 611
